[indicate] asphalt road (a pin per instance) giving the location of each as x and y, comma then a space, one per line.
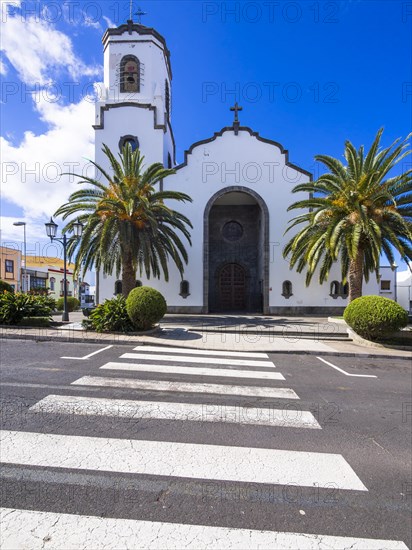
266, 447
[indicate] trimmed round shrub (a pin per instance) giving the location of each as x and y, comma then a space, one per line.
72, 304
145, 306
375, 317
5, 287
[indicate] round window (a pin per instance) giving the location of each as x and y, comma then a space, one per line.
232, 231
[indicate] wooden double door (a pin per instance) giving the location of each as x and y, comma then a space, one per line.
232, 288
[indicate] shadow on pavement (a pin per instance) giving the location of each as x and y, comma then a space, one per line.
177, 334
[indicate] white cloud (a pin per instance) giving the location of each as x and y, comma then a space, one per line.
90, 22
5, 4
86, 15
43, 52
109, 22
3, 67
13, 237
31, 172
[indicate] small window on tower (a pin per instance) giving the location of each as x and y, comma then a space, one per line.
129, 74
169, 160
131, 140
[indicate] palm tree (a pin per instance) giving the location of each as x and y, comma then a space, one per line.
128, 226
354, 213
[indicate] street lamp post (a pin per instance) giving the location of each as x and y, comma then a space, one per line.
24, 285
51, 230
394, 268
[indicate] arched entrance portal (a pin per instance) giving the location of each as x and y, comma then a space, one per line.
236, 252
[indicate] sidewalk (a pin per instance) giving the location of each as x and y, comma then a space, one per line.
300, 335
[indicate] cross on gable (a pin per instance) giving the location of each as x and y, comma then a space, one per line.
139, 14
236, 109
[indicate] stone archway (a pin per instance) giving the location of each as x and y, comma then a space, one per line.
236, 233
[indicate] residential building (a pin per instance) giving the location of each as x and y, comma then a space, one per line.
11, 267
48, 273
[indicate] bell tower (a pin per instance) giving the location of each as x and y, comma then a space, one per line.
135, 101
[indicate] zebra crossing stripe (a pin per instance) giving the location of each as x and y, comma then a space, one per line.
186, 387
29, 529
186, 359
183, 460
195, 371
212, 353
91, 406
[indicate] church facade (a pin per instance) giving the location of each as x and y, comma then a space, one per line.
241, 185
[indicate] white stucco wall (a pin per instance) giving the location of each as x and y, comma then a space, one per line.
245, 161
133, 121
404, 288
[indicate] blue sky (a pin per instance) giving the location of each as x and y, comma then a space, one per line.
308, 74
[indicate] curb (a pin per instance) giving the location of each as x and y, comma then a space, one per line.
340, 336
78, 340
367, 343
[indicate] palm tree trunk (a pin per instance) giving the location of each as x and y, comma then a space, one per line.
128, 274
355, 278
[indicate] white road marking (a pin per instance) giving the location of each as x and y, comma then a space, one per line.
212, 353
87, 356
186, 359
52, 387
195, 371
186, 387
29, 529
183, 460
346, 373
65, 404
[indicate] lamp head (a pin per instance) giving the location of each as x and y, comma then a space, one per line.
78, 228
51, 228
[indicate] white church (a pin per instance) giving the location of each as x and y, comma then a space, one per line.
240, 183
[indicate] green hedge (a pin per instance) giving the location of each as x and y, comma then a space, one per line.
375, 317
145, 306
35, 322
72, 304
111, 316
13, 307
5, 287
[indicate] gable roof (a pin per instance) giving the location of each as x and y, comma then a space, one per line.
252, 134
